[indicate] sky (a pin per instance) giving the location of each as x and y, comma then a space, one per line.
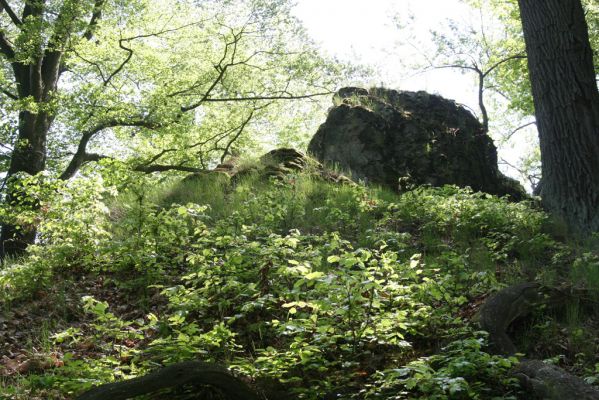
365, 32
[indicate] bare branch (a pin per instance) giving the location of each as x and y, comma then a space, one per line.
512, 133
6, 7
227, 61
503, 61
237, 135
95, 64
148, 169
218, 136
481, 81
82, 157
155, 157
129, 51
6, 147
532, 178
452, 66
122, 65
222, 69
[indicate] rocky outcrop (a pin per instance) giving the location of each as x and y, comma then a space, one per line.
382, 135
277, 164
280, 162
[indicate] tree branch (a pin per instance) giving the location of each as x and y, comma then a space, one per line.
122, 65
254, 98
503, 61
51, 63
93, 22
82, 157
129, 51
6, 147
218, 137
532, 178
512, 133
9, 94
222, 69
14, 18
148, 169
234, 138
5, 47
481, 101
453, 66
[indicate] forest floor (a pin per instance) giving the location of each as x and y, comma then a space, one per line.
300, 287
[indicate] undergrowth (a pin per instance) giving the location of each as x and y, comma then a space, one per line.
315, 290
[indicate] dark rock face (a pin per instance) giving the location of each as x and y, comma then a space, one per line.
382, 135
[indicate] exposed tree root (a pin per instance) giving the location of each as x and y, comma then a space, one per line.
173, 376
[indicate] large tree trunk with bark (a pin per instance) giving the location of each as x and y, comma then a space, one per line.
35, 80
36, 72
29, 156
566, 99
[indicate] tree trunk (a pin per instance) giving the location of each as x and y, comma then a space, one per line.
566, 100
29, 156
36, 78
36, 81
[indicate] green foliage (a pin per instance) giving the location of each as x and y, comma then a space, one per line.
513, 79
462, 371
71, 217
323, 289
179, 83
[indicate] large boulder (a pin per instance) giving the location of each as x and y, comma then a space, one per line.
386, 136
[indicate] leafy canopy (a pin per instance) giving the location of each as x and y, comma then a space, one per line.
175, 82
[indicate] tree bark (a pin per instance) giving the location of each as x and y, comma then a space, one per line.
36, 81
29, 156
566, 100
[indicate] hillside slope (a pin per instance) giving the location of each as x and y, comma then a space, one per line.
303, 288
